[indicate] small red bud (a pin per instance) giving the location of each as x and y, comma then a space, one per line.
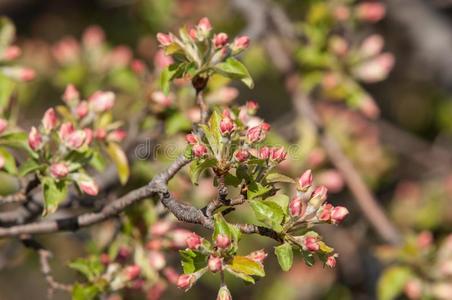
305, 181
241, 43
331, 261
82, 109
50, 120
258, 256
241, 155
310, 243
191, 139
185, 281
34, 139
59, 170
220, 40
199, 150
164, 39
11, 53
194, 241
132, 272
222, 241
71, 94
338, 214
224, 294
227, 126
215, 264
102, 101
295, 207
252, 107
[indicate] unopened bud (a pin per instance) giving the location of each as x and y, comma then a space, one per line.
71, 94
185, 281
278, 154
241, 155
34, 139
132, 272
194, 241
59, 170
258, 256
11, 53
82, 109
305, 181
224, 294
222, 241
191, 139
371, 11
50, 120
227, 126
338, 214
251, 107
240, 44
199, 150
220, 40
164, 39
117, 135
331, 261
310, 243
215, 264
102, 101
295, 207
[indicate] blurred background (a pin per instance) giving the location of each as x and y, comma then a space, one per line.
387, 102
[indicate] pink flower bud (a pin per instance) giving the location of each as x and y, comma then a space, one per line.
413, 289
258, 256
215, 264
331, 261
295, 207
59, 170
375, 69
88, 136
3, 125
100, 133
132, 272
93, 36
424, 239
224, 294
160, 228
120, 56
204, 25
117, 135
27, 74
320, 192
138, 66
199, 150
179, 237
194, 241
156, 260
227, 126
71, 94
264, 153
123, 252
155, 244
220, 40
104, 259
171, 275
341, 13
185, 281
255, 134
75, 139
241, 43
371, 11
305, 181
102, 101
11, 53
50, 120
324, 214
164, 39
82, 109
162, 99
310, 243
222, 241
338, 45
338, 214
372, 45
65, 130
34, 139
161, 60
2, 161
193, 33
251, 107
191, 139
156, 291
241, 155
278, 154
66, 51
88, 186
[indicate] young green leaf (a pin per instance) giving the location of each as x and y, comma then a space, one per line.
29, 166
284, 253
233, 68
392, 282
245, 265
276, 177
197, 167
192, 261
268, 213
10, 162
119, 158
84, 292
255, 189
54, 193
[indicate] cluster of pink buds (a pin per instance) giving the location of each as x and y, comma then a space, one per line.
308, 205
219, 48
276, 154
257, 133
227, 125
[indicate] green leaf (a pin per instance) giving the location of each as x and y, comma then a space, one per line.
242, 276
54, 193
29, 166
255, 189
281, 200
284, 254
15, 140
6, 89
276, 177
10, 161
90, 267
212, 132
192, 261
119, 158
268, 213
197, 167
308, 258
234, 69
223, 227
84, 292
165, 79
245, 265
392, 282
7, 32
